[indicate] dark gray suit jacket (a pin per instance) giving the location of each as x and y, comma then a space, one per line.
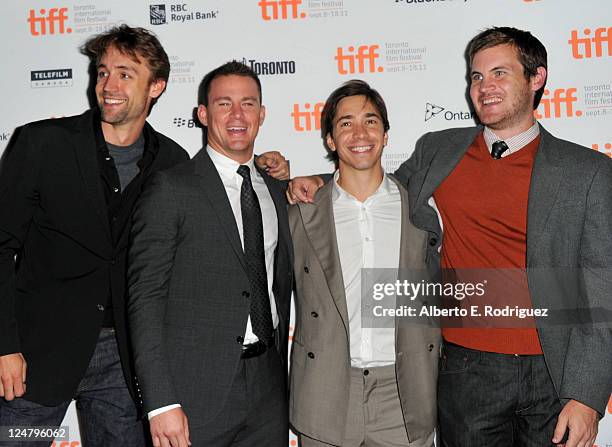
569, 219
188, 288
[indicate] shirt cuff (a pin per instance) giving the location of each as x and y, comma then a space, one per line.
161, 410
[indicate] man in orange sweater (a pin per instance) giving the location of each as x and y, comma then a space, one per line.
511, 197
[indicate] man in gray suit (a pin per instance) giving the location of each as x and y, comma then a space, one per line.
534, 203
353, 385
210, 282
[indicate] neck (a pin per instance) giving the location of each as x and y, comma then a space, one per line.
361, 184
240, 157
121, 135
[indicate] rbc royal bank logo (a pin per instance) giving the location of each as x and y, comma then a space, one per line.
157, 14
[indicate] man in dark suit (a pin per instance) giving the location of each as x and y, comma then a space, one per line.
67, 187
511, 196
210, 281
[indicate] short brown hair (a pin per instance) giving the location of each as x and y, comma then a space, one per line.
133, 42
231, 68
531, 52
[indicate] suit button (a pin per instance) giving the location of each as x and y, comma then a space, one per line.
430, 348
245, 294
306, 270
314, 314
240, 339
310, 355
433, 241
366, 372
113, 261
100, 307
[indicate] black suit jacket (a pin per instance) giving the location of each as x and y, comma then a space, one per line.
188, 302
58, 263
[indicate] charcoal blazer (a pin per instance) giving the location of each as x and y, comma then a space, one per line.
320, 359
569, 216
189, 289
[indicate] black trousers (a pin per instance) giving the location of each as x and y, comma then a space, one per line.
255, 412
487, 399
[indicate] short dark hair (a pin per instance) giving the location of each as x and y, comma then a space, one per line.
234, 68
133, 42
354, 87
531, 52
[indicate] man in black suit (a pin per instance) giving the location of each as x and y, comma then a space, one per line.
210, 282
67, 188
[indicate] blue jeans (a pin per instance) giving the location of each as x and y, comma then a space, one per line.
107, 413
488, 399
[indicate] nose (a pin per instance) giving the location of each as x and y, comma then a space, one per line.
109, 83
236, 111
359, 130
485, 84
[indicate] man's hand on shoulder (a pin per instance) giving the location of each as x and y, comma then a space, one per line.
581, 421
274, 164
170, 429
303, 189
12, 376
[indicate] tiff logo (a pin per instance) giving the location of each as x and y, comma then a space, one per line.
350, 62
45, 23
281, 9
305, 120
560, 105
582, 47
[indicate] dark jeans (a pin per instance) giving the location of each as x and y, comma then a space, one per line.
107, 413
488, 399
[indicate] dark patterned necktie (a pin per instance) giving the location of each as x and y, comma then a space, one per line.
261, 315
499, 147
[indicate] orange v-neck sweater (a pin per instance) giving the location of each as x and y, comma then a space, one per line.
483, 204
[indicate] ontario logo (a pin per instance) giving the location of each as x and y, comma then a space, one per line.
433, 110
61, 77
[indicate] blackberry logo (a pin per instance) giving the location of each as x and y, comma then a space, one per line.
432, 110
157, 14
180, 122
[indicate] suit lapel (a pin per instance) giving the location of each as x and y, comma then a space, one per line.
280, 204
546, 178
320, 227
85, 147
214, 190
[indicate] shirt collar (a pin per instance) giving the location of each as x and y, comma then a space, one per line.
385, 188
226, 165
514, 143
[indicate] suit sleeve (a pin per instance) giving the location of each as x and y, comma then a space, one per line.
154, 237
586, 376
415, 163
18, 201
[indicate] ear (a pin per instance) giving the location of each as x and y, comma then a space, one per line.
385, 139
156, 88
262, 115
538, 79
202, 115
330, 142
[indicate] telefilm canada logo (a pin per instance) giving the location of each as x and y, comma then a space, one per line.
60, 77
163, 14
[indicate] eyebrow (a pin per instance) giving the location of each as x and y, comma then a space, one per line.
368, 115
121, 67
227, 98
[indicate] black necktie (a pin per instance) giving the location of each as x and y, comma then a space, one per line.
261, 315
499, 147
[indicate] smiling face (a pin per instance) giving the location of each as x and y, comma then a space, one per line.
124, 90
357, 135
500, 92
233, 116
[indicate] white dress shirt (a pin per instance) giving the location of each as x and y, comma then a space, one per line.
368, 235
232, 182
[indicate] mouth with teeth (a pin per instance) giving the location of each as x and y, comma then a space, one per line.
361, 149
491, 100
114, 101
236, 130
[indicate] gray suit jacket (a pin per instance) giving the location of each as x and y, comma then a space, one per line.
569, 219
188, 287
320, 361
